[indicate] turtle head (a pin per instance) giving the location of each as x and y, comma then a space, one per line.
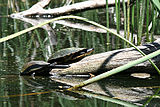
35, 67
81, 54
89, 51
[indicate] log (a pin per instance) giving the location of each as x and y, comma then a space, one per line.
38, 10
103, 62
86, 5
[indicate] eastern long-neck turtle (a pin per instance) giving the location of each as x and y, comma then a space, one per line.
60, 59
69, 55
40, 68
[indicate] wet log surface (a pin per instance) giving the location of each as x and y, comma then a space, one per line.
103, 62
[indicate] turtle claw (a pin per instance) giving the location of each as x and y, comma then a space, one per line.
91, 75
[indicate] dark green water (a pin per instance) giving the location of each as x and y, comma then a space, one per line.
43, 91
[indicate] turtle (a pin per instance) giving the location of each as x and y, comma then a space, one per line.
69, 55
60, 59
39, 68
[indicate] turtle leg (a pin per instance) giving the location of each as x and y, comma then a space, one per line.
33, 75
54, 65
81, 76
61, 66
78, 76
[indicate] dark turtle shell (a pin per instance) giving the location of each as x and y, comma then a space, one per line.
36, 68
69, 55
40, 68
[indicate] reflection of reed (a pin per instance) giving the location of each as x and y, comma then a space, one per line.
106, 98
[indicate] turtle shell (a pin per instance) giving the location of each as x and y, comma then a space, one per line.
36, 68
69, 55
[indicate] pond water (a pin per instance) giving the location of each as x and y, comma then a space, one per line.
46, 91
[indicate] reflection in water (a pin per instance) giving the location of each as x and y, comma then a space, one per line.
28, 91
52, 90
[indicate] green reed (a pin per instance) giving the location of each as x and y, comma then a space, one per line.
117, 7
147, 20
132, 23
107, 25
141, 20
42, 46
125, 22
117, 4
128, 20
137, 13
153, 11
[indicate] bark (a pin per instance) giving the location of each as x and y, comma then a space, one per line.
102, 62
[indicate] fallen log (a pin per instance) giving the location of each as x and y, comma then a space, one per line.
85, 5
38, 11
103, 62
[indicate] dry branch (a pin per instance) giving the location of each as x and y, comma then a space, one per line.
38, 8
112, 59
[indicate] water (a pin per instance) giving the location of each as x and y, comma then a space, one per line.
45, 91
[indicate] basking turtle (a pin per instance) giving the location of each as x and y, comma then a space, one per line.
69, 55
60, 59
40, 68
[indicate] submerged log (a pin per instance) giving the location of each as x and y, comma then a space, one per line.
103, 62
